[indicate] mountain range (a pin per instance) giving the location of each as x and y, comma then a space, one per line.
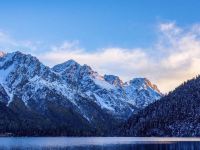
67, 99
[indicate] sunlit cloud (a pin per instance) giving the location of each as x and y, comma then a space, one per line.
171, 60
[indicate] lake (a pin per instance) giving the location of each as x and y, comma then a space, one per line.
98, 143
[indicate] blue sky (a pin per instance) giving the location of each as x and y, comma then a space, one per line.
95, 24
143, 38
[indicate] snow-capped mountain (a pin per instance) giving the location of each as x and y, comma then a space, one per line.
70, 91
108, 91
141, 92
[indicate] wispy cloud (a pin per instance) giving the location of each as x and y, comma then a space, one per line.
8, 43
174, 58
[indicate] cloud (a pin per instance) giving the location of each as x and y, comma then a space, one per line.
8, 43
108, 60
172, 59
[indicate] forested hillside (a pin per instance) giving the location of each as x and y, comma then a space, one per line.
177, 114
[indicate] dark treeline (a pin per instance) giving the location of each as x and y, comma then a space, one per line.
18, 121
176, 114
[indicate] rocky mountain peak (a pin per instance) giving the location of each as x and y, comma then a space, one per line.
21, 58
86, 70
112, 79
143, 83
66, 66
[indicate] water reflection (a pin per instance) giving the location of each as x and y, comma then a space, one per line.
94, 143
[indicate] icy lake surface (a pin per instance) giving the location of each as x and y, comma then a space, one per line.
98, 143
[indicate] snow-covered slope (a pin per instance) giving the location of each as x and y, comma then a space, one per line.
72, 86
109, 91
141, 92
